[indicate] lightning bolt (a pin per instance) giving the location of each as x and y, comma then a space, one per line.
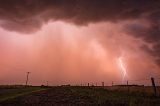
123, 69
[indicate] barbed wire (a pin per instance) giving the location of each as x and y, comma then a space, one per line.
136, 79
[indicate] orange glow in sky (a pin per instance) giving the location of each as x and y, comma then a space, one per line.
63, 53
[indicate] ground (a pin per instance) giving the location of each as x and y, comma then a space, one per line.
71, 96
11, 92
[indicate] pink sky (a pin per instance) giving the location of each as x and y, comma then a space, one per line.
63, 53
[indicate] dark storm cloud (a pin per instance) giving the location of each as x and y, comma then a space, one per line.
29, 15
149, 34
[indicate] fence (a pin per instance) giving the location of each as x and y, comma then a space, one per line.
150, 86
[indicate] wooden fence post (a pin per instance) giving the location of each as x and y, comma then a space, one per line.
112, 83
127, 86
103, 84
154, 86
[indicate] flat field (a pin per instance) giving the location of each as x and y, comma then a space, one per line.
81, 96
11, 92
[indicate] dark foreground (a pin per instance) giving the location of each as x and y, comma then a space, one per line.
82, 96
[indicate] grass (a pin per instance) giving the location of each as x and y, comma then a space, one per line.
12, 93
78, 95
114, 98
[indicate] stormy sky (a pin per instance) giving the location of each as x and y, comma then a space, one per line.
78, 41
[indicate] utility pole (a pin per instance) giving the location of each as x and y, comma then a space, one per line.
27, 77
